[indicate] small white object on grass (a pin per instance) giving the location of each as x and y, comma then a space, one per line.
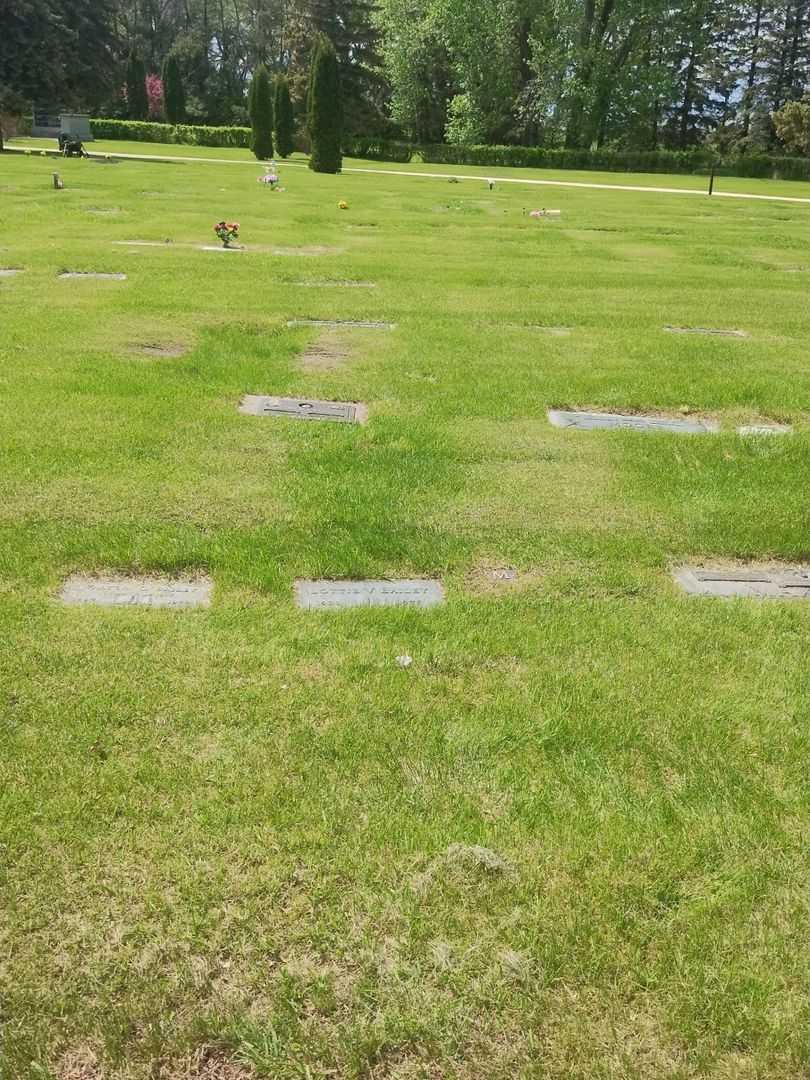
490, 183
404, 661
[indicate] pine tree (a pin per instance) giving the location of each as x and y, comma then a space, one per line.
283, 111
260, 108
137, 101
174, 95
324, 109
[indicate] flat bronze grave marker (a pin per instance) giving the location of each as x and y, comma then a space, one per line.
408, 592
342, 412
338, 324
92, 274
705, 330
136, 592
763, 583
590, 421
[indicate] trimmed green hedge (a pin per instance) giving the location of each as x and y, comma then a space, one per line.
187, 134
378, 149
649, 161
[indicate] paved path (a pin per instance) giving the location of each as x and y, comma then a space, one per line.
472, 176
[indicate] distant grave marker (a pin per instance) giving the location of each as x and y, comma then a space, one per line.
590, 421
764, 429
552, 331
326, 284
92, 274
345, 594
501, 573
338, 324
142, 243
342, 412
9, 271
311, 250
705, 330
761, 583
157, 348
136, 592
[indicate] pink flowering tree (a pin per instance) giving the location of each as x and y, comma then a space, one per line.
154, 95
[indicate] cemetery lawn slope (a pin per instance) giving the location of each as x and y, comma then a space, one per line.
553, 827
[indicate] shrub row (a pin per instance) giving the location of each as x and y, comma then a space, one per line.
650, 161
378, 149
187, 134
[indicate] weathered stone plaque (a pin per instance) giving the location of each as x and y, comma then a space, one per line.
705, 330
337, 324
8, 271
764, 429
552, 331
344, 594
326, 284
142, 243
757, 582
344, 412
92, 274
587, 421
312, 249
136, 592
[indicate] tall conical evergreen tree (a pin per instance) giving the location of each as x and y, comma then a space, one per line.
137, 101
260, 108
174, 95
324, 108
284, 121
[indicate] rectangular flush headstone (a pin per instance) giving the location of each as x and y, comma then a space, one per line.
136, 592
757, 583
590, 421
705, 330
342, 412
337, 324
345, 594
102, 276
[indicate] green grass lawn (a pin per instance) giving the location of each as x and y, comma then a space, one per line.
226, 835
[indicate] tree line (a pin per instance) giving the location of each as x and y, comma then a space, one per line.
629, 74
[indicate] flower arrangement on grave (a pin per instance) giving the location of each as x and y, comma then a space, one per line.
342, 205
270, 177
537, 213
227, 231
